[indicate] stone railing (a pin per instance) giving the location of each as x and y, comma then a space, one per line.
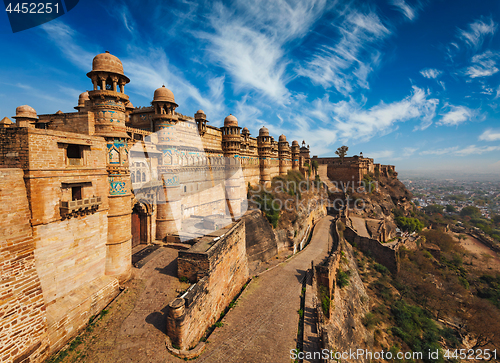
73, 208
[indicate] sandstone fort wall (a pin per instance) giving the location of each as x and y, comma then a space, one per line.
23, 320
224, 268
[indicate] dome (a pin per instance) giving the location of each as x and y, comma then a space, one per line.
295, 143
245, 131
230, 121
282, 138
83, 97
164, 94
200, 115
106, 62
26, 111
129, 105
264, 131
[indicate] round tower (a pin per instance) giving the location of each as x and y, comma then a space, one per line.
284, 155
231, 147
26, 116
83, 102
295, 155
201, 122
168, 218
107, 101
264, 148
231, 138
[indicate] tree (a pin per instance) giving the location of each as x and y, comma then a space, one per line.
470, 211
341, 152
433, 209
314, 165
450, 208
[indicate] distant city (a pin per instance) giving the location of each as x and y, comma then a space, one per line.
454, 195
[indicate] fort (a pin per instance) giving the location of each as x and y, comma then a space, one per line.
81, 191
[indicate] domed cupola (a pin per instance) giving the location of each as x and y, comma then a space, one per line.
231, 138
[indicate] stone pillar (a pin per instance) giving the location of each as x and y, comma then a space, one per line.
168, 215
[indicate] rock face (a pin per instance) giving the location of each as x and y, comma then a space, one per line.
351, 303
261, 242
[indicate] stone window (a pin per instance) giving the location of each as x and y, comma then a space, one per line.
74, 155
76, 193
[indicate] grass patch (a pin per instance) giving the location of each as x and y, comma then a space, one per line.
343, 278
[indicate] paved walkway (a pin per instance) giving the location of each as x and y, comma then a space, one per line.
263, 325
261, 328
359, 225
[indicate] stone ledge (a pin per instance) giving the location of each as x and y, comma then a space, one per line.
185, 354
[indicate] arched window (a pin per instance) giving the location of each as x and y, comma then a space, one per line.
132, 177
143, 177
109, 84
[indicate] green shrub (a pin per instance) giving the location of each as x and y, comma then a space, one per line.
381, 268
343, 278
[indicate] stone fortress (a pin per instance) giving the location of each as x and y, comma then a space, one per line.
81, 190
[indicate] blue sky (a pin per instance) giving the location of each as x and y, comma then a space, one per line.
411, 83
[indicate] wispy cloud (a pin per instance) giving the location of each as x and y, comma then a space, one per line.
465, 151
67, 40
490, 135
384, 154
347, 64
409, 151
248, 40
354, 123
457, 115
477, 31
407, 10
483, 65
449, 150
431, 73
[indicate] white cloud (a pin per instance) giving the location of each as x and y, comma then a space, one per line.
409, 151
477, 31
449, 150
490, 135
67, 41
381, 154
152, 67
484, 65
353, 122
347, 64
457, 115
405, 9
431, 73
468, 150
248, 42
476, 150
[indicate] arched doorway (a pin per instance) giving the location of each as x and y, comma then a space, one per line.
139, 225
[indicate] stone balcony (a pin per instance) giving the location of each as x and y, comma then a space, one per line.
75, 208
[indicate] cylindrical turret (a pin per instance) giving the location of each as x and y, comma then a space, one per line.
231, 138
284, 155
264, 144
168, 218
25, 116
107, 102
295, 155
